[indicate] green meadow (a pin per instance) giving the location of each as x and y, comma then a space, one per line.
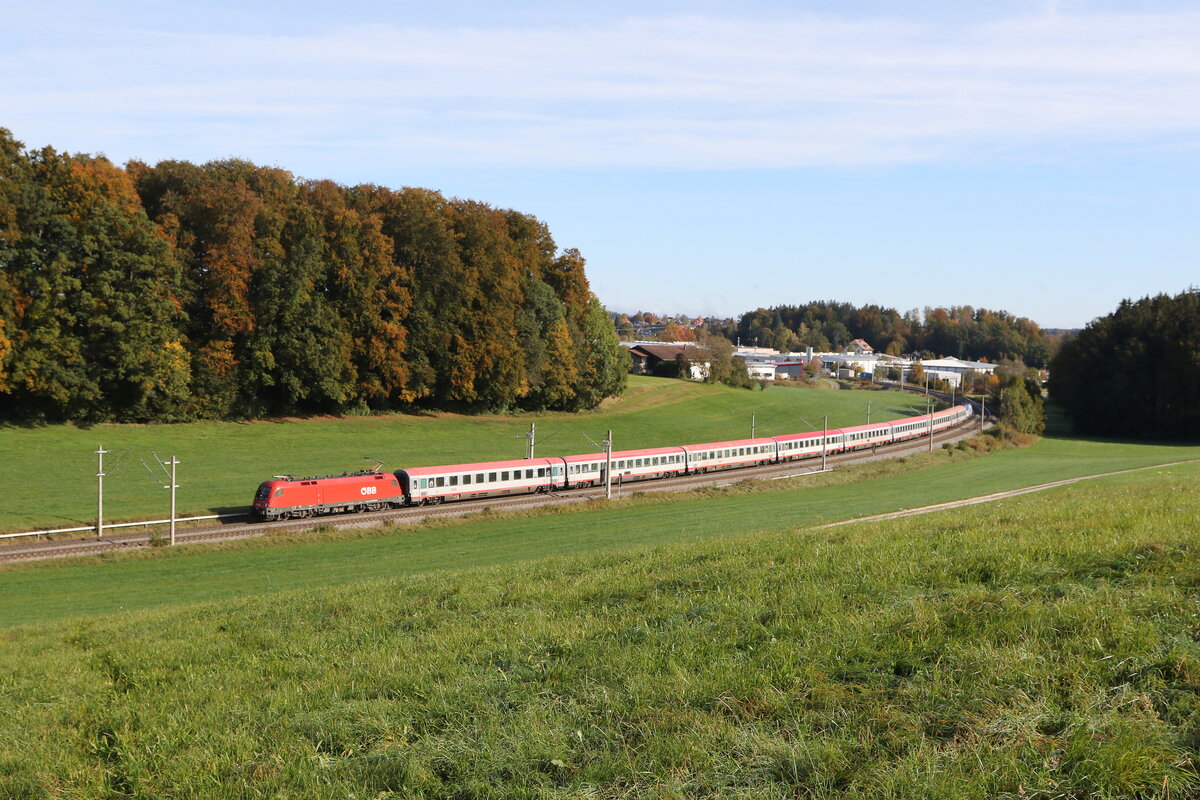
710, 645
716, 643
161, 578
49, 472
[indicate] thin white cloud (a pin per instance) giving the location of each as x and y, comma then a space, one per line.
674, 92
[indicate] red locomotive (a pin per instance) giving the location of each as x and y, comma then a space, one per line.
285, 496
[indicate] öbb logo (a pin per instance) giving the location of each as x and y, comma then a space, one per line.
366, 490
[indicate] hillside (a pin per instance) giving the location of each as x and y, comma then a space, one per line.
49, 471
1045, 646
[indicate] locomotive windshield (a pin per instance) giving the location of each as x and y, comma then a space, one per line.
262, 493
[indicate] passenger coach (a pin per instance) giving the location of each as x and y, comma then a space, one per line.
432, 485
284, 496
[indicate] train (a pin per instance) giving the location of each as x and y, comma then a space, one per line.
288, 497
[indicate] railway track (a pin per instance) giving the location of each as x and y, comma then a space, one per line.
51, 549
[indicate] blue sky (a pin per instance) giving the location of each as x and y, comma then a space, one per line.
706, 157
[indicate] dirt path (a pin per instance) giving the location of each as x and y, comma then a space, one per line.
988, 498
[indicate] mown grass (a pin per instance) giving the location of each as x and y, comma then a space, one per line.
151, 579
1044, 647
48, 473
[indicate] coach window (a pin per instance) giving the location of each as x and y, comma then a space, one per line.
466, 480
454, 480
479, 478
441, 481
504, 475
491, 477
541, 472
424, 483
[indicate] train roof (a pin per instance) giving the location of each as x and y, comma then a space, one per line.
874, 426
346, 477
480, 466
650, 451
732, 443
791, 437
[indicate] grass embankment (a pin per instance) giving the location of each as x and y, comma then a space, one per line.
43, 592
1043, 647
49, 473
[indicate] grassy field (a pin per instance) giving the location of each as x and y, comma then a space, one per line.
1042, 647
41, 593
49, 472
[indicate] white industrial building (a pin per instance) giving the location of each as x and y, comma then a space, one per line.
767, 364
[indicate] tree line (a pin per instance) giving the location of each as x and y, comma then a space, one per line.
959, 331
230, 290
1135, 372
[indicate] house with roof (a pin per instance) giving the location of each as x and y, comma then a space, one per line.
649, 358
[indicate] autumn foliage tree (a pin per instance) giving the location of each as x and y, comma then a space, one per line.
958, 331
227, 289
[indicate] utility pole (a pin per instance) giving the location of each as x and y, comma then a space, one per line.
170, 484
982, 410
100, 493
608, 466
824, 443
868, 412
929, 410
532, 431
753, 423
173, 462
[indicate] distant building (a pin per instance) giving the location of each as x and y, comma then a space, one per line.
952, 370
754, 352
760, 371
649, 356
856, 363
859, 347
790, 370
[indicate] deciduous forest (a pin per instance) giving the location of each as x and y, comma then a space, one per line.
959, 331
230, 290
